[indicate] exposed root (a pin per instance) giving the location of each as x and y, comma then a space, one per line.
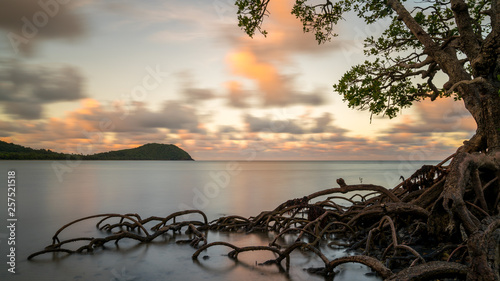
442, 222
372, 263
236, 250
431, 271
130, 222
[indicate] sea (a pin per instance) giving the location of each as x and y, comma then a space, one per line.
46, 195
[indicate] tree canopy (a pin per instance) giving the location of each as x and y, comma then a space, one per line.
406, 62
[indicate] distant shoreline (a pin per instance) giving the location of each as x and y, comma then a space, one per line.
147, 152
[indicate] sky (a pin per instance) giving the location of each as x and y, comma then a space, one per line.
90, 76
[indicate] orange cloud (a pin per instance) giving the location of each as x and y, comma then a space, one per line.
285, 36
271, 84
88, 106
95, 128
245, 63
262, 60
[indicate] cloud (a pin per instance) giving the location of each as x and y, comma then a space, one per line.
174, 116
104, 128
237, 97
169, 36
268, 124
173, 21
276, 89
28, 22
322, 123
192, 94
136, 117
227, 129
95, 128
304, 125
442, 124
65, 84
24, 110
325, 124
25, 88
285, 37
440, 116
265, 60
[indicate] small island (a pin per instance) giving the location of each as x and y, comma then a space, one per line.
150, 151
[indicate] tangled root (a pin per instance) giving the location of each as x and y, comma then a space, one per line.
442, 222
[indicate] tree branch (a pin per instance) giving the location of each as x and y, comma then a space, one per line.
469, 41
421, 64
495, 16
466, 82
412, 24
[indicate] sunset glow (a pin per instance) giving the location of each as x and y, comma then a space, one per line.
182, 72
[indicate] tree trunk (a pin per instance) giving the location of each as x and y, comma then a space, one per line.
452, 218
490, 121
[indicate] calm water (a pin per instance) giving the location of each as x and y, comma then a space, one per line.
50, 194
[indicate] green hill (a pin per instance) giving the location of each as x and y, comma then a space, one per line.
10, 151
151, 151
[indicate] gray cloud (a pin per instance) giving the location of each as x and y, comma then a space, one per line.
256, 124
65, 84
280, 91
24, 110
227, 129
322, 124
30, 21
236, 96
193, 95
198, 94
138, 124
311, 98
173, 115
441, 116
25, 88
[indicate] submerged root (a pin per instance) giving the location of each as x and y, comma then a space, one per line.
130, 223
442, 222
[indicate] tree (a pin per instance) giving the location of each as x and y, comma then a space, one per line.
426, 39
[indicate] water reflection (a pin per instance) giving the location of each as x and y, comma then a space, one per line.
160, 188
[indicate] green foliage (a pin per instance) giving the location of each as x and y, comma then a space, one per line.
251, 15
152, 151
367, 87
398, 70
321, 23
